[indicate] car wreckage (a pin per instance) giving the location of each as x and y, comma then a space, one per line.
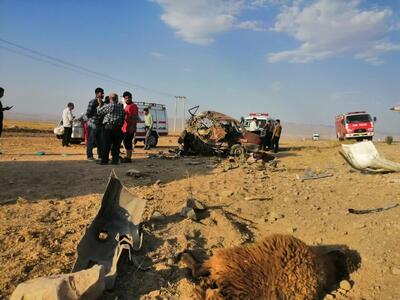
214, 133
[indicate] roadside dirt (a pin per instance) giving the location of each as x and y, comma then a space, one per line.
53, 197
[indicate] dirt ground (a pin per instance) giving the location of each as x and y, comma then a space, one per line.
58, 194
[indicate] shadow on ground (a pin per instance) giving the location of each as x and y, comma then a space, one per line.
71, 178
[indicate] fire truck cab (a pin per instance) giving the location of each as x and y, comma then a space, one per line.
355, 125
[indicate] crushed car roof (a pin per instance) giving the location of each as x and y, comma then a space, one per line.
216, 116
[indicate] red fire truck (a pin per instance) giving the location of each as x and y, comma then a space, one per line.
355, 125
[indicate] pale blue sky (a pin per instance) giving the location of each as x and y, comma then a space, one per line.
301, 61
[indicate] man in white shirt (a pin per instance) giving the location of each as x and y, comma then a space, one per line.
253, 125
67, 118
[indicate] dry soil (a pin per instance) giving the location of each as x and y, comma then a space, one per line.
50, 199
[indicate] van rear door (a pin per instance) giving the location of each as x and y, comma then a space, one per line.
162, 122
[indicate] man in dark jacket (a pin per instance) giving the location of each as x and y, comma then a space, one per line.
266, 135
94, 125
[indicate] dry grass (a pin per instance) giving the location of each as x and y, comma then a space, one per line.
39, 125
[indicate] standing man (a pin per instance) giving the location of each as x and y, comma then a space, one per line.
253, 125
67, 119
276, 135
94, 126
2, 109
266, 135
269, 127
113, 115
148, 126
129, 127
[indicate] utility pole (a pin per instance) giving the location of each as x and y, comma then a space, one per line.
176, 112
177, 98
184, 112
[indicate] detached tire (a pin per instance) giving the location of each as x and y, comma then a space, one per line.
237, 150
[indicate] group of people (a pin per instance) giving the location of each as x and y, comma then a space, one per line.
109, 123
270, 134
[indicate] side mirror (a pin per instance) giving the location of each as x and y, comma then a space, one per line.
374, 119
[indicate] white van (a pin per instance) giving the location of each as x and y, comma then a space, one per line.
160, 119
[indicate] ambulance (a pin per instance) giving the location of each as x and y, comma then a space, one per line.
160, 122
261, 117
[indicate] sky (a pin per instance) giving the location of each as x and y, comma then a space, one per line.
300, 61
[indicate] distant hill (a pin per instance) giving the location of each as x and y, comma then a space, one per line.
31, 117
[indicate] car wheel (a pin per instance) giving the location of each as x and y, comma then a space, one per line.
153, 140
237, 150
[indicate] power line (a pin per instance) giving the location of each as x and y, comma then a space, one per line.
78, 67
48, 62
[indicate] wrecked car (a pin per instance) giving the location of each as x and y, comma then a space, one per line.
214, 133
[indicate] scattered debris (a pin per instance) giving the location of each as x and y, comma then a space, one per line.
87, 284
365, 157
135, 173
115, 228
251, 160
230, 166
310, 174
194, 163
191, 209
171, 154
372, 210
40, 153
157, 216
257, 198
273, 164
188, 212
195, 204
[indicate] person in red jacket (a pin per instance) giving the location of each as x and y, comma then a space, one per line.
129, 126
